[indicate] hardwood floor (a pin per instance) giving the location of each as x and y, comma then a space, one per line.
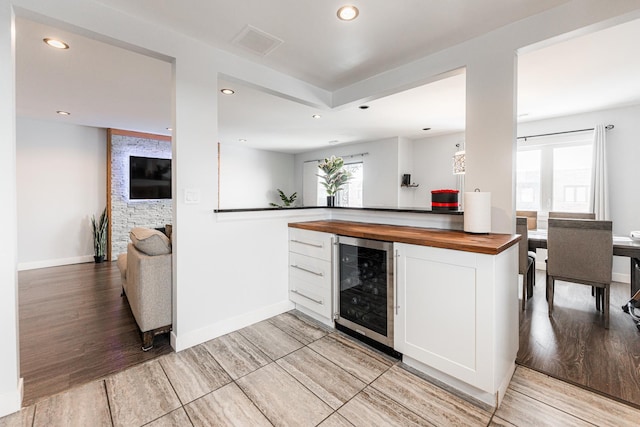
574, 346
75, 327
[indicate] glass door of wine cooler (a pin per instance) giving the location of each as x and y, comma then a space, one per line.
365, 295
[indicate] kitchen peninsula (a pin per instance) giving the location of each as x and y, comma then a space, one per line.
452, 300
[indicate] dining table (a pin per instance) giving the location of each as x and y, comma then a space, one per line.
622, 246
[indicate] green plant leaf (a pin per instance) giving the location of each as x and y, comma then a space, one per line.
99, 229
286, 200
334, 176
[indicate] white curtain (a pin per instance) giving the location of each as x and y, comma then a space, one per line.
599, 180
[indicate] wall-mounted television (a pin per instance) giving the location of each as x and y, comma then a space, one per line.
149, 178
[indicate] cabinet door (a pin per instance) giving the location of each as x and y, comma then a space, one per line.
436, 319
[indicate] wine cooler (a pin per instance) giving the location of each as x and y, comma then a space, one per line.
365, 289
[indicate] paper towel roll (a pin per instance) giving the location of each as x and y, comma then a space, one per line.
477, 212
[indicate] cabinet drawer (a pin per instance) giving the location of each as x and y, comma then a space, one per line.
311, 243
310, 269
310, 282
310, 295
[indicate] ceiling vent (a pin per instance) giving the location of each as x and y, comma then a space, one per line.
257, 41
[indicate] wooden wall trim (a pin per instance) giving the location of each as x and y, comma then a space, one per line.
137, 134
109, 134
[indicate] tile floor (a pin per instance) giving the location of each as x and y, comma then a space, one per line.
291, 371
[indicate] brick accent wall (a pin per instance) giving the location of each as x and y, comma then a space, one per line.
127, 214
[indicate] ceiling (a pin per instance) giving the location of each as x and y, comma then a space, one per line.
107, 86
329, 53
99, 84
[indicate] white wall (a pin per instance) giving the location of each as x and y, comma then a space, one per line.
428, 160
219, 284
405, 165
249, 178
381, 180
433, 166
10, 383
623, 155
61, 178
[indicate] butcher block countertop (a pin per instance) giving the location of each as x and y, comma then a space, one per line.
491, 244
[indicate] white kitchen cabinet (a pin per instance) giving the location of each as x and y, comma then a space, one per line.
457, 316
311, 273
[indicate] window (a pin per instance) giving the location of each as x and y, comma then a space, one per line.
572, 178
528, 180
351, 194
554, 173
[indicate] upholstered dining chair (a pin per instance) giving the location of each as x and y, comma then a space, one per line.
572, 215
580, 251
532, 224
526, 263
532, 218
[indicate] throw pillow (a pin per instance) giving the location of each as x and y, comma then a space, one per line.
150, 241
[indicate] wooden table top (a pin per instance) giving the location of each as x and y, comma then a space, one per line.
491, 243
622, 245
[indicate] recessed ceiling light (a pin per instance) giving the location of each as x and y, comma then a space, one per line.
316, 116
63, 113
242, 140
58, 44
170, 129
348, 13
227, 91
363, 107
333, 141
426, 128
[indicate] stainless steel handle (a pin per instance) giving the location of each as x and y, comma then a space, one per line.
307, 243
395, 282
309, 298
307, 270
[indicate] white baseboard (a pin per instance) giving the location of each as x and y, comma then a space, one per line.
12, 401
172, 340
316, 316
54, 262
181, 341
456, 386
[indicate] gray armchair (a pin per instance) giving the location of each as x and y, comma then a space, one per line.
526, 262
581, 251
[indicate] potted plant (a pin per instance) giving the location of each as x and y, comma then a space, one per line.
334, 177
287, 201
100, 235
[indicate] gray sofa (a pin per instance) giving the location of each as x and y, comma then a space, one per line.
146, 282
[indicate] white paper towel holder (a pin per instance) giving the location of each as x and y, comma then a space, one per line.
471, 226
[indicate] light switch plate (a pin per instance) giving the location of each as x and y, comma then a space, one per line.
191, 196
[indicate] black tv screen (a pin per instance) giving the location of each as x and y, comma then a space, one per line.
149, 178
